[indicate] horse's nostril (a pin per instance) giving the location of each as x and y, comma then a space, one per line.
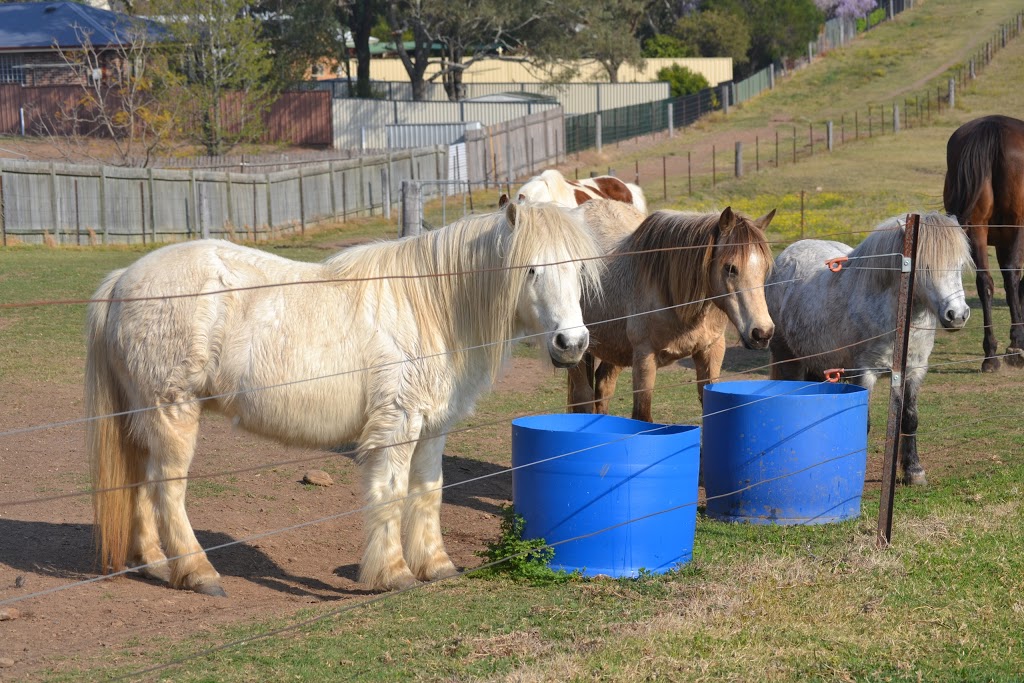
761, 335
561, 342
950, 314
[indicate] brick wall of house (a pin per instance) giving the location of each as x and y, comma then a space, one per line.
48, 68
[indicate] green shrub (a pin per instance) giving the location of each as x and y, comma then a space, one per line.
681, 80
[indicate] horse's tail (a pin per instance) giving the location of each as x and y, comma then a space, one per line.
115, 461
969, 167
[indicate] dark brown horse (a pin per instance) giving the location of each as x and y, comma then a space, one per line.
984, 189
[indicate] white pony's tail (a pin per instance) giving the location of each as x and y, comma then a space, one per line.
115, 462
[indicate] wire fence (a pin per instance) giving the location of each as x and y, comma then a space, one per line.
308, 523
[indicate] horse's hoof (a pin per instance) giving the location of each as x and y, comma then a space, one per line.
990, 365
401, 582
916, 478
445, 571
1015, 357
212, 589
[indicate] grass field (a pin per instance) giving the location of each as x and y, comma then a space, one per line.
756, 603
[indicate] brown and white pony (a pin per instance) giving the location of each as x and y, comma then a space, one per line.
670, 288
552, 186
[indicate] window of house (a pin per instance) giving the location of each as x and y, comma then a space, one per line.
11, 69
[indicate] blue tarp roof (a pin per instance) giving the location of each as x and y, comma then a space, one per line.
34, 25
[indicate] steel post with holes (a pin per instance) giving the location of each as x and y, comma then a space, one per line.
908, 268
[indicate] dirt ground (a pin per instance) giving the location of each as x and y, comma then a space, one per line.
48, 545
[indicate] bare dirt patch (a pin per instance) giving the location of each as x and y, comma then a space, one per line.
48, 544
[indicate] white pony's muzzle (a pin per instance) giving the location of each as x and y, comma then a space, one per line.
566, 347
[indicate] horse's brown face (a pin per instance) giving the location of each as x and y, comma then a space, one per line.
737, 282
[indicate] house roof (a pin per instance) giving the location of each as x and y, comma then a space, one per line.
36, 25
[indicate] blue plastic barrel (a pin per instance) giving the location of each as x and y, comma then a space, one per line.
579, 474
800, 447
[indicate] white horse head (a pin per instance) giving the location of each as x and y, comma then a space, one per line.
943, 254
556, 281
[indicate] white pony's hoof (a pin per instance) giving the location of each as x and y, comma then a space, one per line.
212, 589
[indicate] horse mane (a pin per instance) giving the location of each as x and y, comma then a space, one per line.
677, 249
472, 273
942, 245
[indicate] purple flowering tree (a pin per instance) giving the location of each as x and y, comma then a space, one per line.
846, 9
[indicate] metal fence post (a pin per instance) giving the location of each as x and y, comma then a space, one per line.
597, 129
899, 373
671, 121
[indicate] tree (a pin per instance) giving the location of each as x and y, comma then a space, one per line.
715, 33
126, 97
604, 32
226, 65
664, 45
778, 28
609, 35
846, 9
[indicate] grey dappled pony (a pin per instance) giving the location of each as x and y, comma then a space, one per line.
847, 319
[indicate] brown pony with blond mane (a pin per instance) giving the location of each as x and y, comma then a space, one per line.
670, 288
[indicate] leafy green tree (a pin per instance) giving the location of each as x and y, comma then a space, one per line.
716, 33
603, 32
778, 28
681, 80
227, 70
665, 45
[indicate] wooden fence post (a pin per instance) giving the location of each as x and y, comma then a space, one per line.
412, 208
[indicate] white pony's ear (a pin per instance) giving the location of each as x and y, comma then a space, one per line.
764, 220
510, 214
726, 221
503, 200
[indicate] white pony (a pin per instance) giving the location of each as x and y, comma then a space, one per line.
827, 319
552, 186
387, 344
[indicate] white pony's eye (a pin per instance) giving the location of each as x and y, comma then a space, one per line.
531, 272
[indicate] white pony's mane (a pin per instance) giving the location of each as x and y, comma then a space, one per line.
477, 262
942, 245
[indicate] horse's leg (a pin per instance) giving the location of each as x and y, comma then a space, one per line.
605, 379
979, 251
146, 551
708, 364
171, 433
913, 473
421, 535
1009, 258
386, 449
783, 365
645, 370
581, 394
